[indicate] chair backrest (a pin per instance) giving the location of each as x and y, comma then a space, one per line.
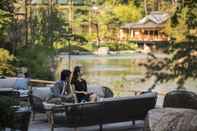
9, 83
98, 90
111, 110
37, 96
128, 108
14, 83
107, 92
181, 99
101, 91
44, 93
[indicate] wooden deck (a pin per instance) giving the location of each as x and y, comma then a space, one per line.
41, 124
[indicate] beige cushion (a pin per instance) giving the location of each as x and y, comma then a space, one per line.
43, 93
8, 83
98, 90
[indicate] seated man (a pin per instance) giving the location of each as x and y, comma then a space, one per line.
62, 88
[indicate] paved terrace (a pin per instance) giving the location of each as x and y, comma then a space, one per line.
41, 124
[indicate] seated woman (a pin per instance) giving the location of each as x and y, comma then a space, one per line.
62, 87
80, 86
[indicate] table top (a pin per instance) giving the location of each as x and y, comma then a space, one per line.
53, 106
7, 89
50, 106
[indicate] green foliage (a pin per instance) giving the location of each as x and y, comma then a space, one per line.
119, 46
77, 47
181, 63
183, 23
37, 60
6, 68
48, 27
117, 2
178, 23
127, 13
5, 18
179, 66
106, 20
4, 21
6, 110
89, 46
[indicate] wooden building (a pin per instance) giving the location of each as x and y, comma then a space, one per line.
148, 29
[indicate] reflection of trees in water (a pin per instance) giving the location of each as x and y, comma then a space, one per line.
125, 86
102, 71
123, 83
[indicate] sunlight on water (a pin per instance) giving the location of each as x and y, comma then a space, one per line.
121, 73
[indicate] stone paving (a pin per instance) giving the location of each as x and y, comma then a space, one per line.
41, 124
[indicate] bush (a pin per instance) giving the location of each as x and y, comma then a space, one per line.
119, 46
73, 47
6, 68
37, 60
90, 47
6, 110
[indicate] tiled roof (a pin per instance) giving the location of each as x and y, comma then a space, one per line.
156, 19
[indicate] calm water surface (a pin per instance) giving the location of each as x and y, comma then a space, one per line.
121, 73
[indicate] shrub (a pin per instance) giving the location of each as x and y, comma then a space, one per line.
6, 68
119, 46
6, 110
37, 60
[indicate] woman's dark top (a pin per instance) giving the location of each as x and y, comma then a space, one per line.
81, 85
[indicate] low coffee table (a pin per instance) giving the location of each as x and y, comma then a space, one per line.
52, 108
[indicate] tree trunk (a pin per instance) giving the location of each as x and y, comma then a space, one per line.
157, 5
97, 35
145, 7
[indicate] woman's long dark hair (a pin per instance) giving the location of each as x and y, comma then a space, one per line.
76, 72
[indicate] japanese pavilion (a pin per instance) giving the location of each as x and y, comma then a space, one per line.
148, 29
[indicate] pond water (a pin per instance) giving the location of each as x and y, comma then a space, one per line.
121, 73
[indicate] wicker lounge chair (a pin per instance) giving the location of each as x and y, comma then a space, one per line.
181, 99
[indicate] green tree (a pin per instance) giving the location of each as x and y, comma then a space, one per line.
4, 22
177, 27
47, 28
127, 13
182, 61
6, 16
37, 60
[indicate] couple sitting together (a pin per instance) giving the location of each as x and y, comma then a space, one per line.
66, 85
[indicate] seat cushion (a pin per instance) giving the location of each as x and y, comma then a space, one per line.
98, 90
44, 93
9, 83
21, 84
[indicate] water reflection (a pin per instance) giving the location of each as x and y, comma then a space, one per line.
121, 73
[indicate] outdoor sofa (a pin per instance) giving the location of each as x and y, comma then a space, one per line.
10, 85
38, 95
110, 110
